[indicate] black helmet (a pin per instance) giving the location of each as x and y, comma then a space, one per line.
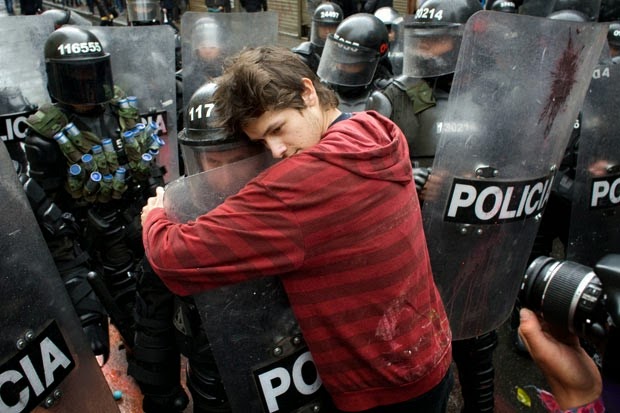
503, 6
392, 20
143, 12
388, 15
589, 8
433, 36
352, 53
201, 135
446, 12
78, 70
568, 15
613, 35
326, 18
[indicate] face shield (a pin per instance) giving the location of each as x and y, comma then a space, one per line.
347, 64
431, 50
81, 82
143, 11
320, 31
208, 149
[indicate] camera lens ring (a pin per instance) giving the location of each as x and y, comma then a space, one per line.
585, 281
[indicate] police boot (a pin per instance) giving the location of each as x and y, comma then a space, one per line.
205, 385
156, 362
474, 360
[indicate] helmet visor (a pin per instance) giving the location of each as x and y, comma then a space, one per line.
214, 150
143, 11
431, 50
87, 82
346, 64
320, 31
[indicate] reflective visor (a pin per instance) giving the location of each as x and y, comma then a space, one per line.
86, 82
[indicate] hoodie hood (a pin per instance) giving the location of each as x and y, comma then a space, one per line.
371, 138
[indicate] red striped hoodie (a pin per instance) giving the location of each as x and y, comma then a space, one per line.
340, 224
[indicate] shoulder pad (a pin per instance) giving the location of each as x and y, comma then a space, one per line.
379, 102
382, 83
404, 82
47, 120
304, 48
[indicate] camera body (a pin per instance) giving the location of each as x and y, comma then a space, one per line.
574, 297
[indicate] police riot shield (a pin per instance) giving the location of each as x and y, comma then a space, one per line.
208, 39
22, 76
46, 361
595, 213
257, 344
143, 66
507, 123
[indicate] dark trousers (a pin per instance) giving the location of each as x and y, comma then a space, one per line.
433, 401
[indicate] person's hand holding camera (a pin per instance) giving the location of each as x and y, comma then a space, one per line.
571, 373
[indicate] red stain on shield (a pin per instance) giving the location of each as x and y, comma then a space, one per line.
564, 77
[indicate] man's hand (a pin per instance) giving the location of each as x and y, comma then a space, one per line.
153, 202
569, 370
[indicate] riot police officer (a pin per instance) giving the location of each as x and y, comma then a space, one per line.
393, 23
355, 60
431, 48
89, 157
167, 324
326, 18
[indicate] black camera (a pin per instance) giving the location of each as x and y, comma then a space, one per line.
574, 297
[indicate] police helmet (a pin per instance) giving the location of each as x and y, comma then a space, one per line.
433, 36
78, 69
143, 12
502, 6
446, 12
392, 20
589, 8
569, 15
325, 19
206, 32
352, 53
388, 15
201, 133
613, 35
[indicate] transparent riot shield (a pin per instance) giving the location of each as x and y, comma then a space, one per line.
46, 361
508, 121
143, 66
257, 344
208, 39
22, 76
595, 213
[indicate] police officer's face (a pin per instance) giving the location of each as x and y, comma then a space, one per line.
231, 176
208, 53
211, 160
434, 46
325, 30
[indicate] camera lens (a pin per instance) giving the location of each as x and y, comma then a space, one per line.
564, 293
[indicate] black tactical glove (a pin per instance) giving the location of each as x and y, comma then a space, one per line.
420, 176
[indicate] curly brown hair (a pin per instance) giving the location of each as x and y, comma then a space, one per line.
265, 78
